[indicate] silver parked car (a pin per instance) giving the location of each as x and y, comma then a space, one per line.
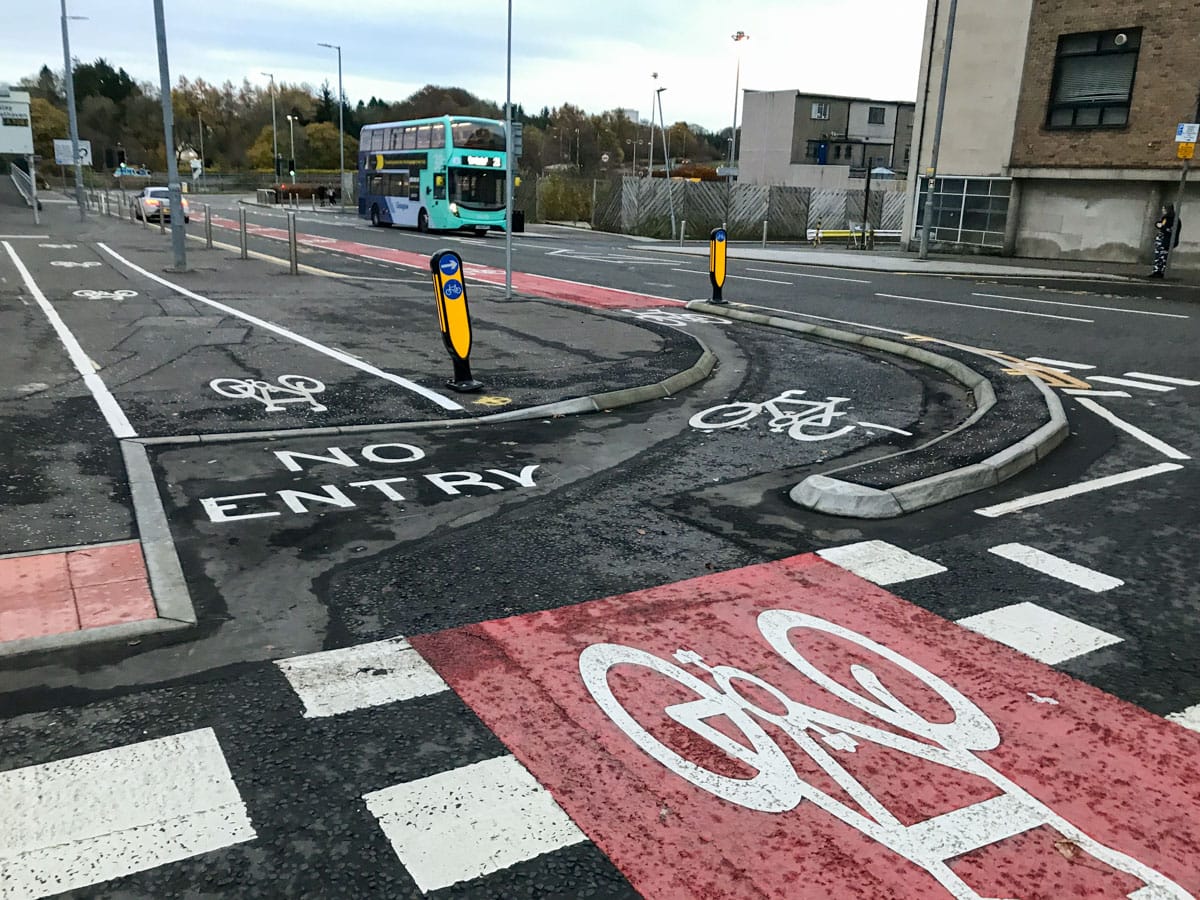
155, 203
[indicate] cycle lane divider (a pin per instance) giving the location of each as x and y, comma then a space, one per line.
524, 282
797, 727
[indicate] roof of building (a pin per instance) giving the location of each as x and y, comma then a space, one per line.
814, 96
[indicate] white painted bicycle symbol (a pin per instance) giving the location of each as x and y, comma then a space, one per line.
71, 264
677, 319
290, 389
778, 788
106, 295
799, 418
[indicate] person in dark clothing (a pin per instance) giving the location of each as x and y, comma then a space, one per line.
1166, 233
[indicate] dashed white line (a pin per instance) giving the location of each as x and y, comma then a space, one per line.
1071, 490
1079, 392
999, 309
806, 275
880, 562
1135, 312
1041, 633
1181, 382
1127, 382
1188, 718
1148, 439
1056, 567
1058, 362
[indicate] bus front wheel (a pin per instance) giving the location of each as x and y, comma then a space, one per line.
422, 221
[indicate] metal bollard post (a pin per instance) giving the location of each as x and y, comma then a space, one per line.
242, 230
682, 231
162, 222
293, 259
314, 202
107, 208
207, 227
764, 243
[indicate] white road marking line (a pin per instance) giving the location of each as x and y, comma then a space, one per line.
1125, 382
338, 681
886, 428
109, 408
806, 275
792, 312
880, 562
80, 821
471, 821
1148, 439
1056, 567
1045, 635
1082, 487
999, 309
1133, 312
21, 237
1078, 392
1182, 382
1188, 718
760, 280
1059, 363
443, 402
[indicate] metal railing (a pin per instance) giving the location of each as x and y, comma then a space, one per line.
23, 183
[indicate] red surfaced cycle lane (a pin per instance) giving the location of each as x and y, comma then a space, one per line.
790, 730
524, 282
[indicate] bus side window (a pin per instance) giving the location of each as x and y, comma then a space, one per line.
438, 138
376, 185
423, 133
410, 138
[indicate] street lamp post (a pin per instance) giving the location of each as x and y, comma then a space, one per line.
738, 37
69, 84
203, 174
508, 160
650, 163
341, 128
930, 212
662, 123
578, 150
274, 130
292, 133
174, 194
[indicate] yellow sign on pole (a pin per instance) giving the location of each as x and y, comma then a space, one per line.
1185, 150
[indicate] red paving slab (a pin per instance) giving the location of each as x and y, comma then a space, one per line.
525, 283
53, 593
792, 731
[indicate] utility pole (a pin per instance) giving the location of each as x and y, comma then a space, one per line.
274, 129
650, 163
937, 133
737, 90
1183, 177
203, 174
508, 159
72, 120
178, 229
341, 127
666, 160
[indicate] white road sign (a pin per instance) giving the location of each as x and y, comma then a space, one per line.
63, 156
16, 134
1187, 133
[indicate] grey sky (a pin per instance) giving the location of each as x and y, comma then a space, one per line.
595, 55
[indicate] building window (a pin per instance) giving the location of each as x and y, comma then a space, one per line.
875, 115
1093, 79
820, 111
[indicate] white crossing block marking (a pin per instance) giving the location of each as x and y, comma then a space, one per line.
1041, 633
77, 822
1127, 382
1059, 363
1056, 567
880, 562
338, 681
1182, 382
472, 821
1188, 718
1076, 392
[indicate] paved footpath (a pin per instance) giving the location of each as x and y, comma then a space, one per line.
437, 653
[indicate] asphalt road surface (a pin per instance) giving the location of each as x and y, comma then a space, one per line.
392, 690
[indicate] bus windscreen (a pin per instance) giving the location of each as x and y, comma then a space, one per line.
476, 135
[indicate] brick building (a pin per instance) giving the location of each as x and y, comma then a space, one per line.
1059, 126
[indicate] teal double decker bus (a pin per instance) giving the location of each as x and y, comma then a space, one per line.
437, 174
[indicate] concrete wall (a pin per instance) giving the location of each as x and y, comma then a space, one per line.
835, 178
766, 142
1102, 220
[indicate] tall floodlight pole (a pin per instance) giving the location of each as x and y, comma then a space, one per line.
508, 157
178, 234
662, 123
292, 132
341, 128
738, 36
274, 130
937, 133
203, 174
69, 83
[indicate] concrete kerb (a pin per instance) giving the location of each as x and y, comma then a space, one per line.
833, 496
168, 587
698, 371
